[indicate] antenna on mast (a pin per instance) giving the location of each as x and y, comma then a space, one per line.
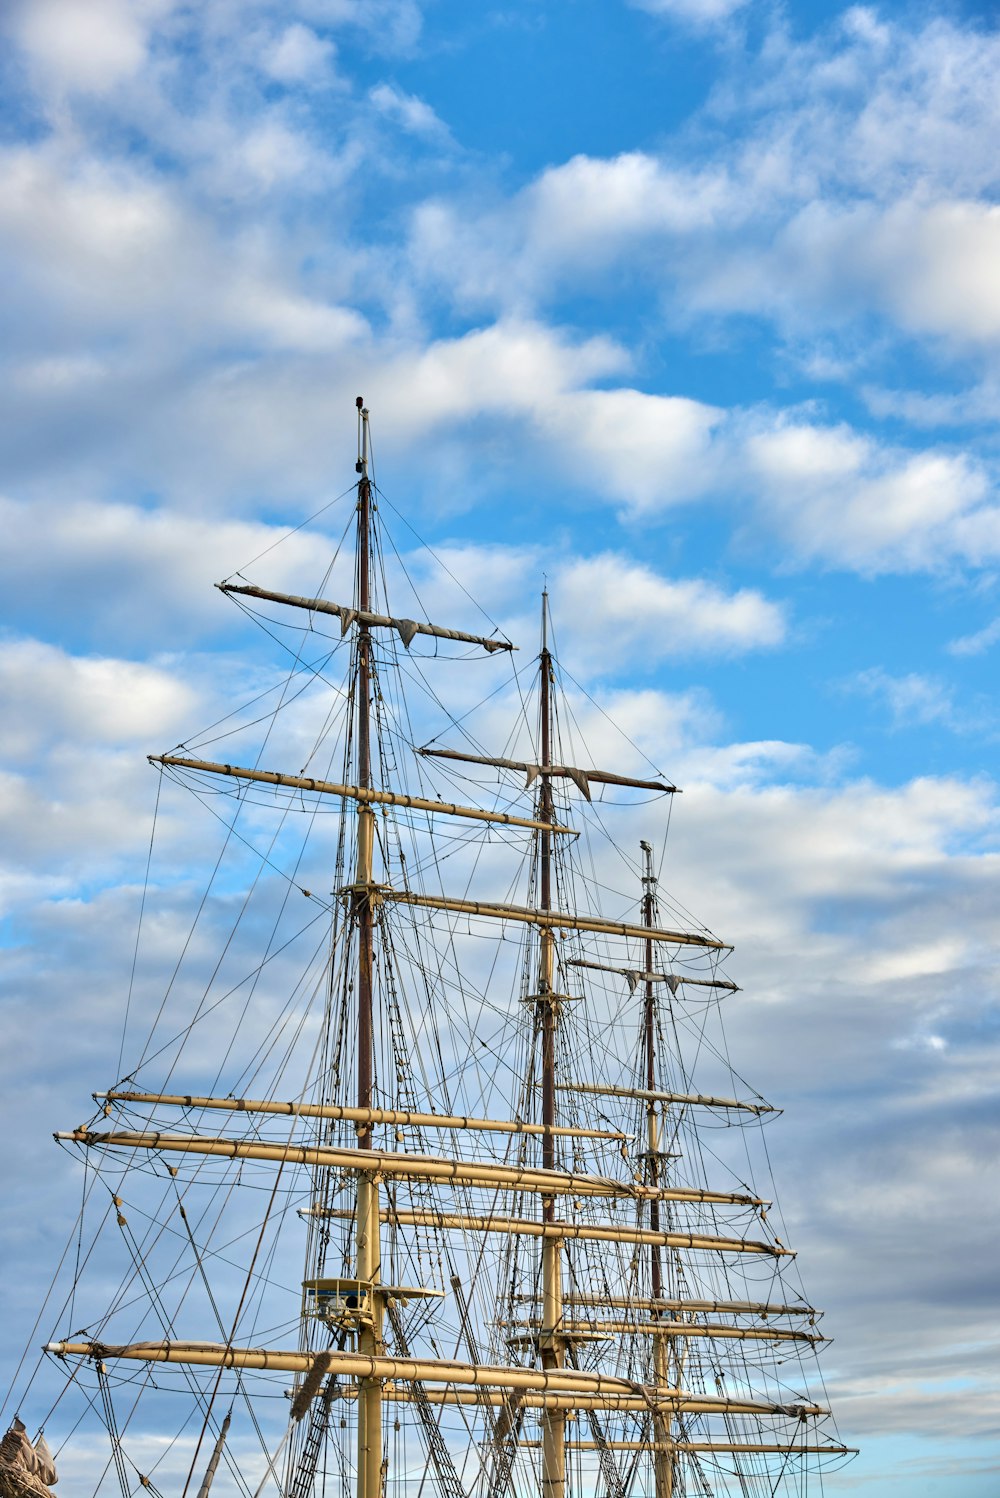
361, 466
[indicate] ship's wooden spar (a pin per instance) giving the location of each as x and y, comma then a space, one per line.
399, 1116
365, 795
580, 778
720, 1446
398, 1394
681, 1329
675, 980
555, 1381
599, 1232
647, 1095
551, 920
415, 1167
733, 1307
407, 629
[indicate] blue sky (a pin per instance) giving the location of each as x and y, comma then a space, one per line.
693, 309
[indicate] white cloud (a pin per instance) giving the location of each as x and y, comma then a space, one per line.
574, 222
827, 180
978, 643
844, 498
589, 209
646, 450
89, 48
611, 610
694, 12
298, 55
412, 114
46, 694
619, 610
110, 573
116, 247
911, 699
977, 405
924, 265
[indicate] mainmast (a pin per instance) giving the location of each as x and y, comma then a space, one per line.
550, 1342
369, 1463
366, 817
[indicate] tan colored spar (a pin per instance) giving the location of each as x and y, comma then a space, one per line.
557, 1381
646, 1095
608, 1232
679, 1329
401, 1116
735, 1307
635, 1404
389, 1163
728, 1446
367, 797
405, 628
673, 980
551, 920
580, 778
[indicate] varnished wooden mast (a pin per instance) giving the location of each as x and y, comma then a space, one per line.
663, 1457
363, 866
369, 1465
550, 1344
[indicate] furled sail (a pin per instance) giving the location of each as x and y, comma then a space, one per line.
26, 1470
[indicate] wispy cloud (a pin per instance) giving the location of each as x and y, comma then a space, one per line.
916, 700
691, 12
413, 114
977, 643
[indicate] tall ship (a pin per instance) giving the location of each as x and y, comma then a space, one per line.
426, 1170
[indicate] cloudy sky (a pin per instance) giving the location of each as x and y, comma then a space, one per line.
690, 307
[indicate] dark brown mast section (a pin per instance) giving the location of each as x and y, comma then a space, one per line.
362, 891
649, 1025
545, 810
551, 1342
663, 1455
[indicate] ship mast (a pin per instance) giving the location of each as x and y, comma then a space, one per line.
550, 1342
663, 1460
369, 1454
559, 1389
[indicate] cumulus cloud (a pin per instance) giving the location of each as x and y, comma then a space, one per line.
45, 691
298, 55
611, 609
616, 609
853, 181
846, 498
86, 49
